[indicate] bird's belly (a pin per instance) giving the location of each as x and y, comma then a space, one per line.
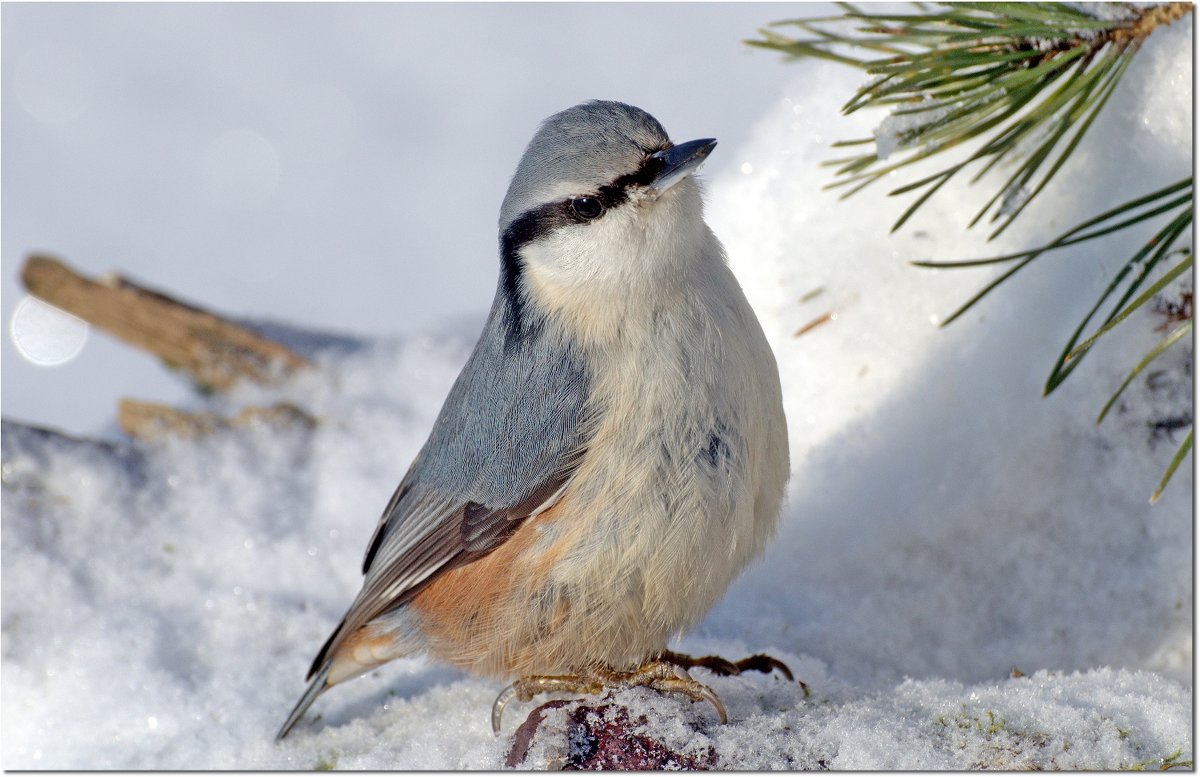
638, 548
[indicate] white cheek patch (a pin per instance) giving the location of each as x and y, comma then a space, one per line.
581, 271
540, 261
574, 255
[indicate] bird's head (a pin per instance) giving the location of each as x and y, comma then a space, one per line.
602, 202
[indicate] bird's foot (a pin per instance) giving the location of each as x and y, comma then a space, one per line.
759, 662
662, 675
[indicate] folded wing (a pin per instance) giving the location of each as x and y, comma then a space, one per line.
506, 442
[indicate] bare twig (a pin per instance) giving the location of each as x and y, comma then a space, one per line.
151, 421
214, 351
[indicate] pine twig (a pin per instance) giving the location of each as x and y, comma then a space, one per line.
1025, 81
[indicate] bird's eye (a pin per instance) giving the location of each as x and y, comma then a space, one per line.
587, 208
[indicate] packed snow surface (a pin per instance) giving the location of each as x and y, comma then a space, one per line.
967, 574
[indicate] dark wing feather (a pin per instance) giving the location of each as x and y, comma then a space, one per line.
507, 440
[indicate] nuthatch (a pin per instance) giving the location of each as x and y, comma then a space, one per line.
613, 453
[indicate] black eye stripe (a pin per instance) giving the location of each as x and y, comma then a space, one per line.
617, 192
543, 219
647, 171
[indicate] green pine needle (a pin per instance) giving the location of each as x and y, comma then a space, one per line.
1078, 235
1175, 336
1176, 202
1118, 218
1185, 447
1024, 81
1145, 297
1141, 265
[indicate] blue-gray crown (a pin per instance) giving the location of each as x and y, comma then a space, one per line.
589, 144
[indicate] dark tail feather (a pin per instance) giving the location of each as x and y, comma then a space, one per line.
319, 661
315, 689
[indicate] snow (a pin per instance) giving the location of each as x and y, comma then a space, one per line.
945, 524
899, 128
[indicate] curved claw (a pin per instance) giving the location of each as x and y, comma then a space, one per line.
499, 704
711, 698
669, 677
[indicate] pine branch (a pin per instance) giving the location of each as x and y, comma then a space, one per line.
1024, 81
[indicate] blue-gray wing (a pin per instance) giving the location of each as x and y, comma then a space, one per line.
506, 442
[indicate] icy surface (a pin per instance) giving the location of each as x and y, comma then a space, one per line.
945, 524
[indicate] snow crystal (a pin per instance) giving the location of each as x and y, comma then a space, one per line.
1015, 197
900, 129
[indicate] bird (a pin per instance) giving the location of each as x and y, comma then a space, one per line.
612, 455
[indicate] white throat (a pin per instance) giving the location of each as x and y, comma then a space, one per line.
648, 250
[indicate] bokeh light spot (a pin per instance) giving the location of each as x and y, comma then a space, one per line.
45, 335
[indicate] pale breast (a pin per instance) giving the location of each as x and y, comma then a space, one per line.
680, 487
678, 490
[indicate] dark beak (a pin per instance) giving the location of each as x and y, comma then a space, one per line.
679, 162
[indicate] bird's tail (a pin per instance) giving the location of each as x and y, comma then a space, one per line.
315, 689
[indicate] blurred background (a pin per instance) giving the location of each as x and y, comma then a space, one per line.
337, 167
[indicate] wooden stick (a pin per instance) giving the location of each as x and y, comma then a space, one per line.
152, 421
214, 351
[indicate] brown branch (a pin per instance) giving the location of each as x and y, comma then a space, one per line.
152, 421
214, 351
1149, 19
